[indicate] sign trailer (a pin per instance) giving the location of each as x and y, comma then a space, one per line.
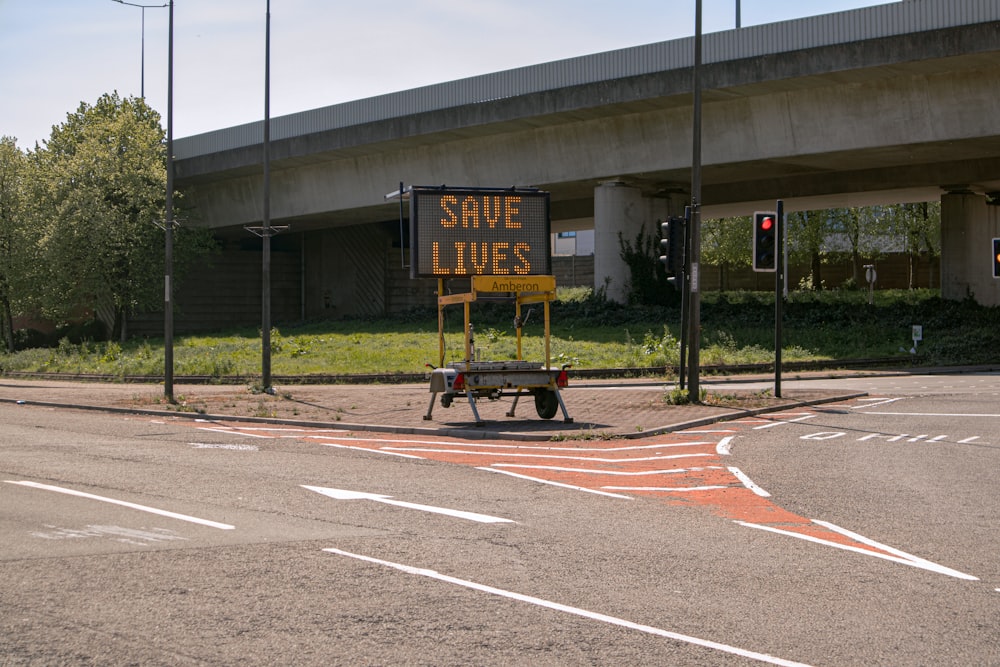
499, 240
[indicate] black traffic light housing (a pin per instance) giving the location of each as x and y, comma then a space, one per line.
765, 241
996, 258
672, 245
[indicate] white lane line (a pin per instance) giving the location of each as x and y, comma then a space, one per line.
232, 432
781, 421
488, 445
666, 489
935, 414
370, 450
747, 482
873, 402
113, 501
267, 429
235, 448
541, 448
545, 456
601, 471
576, 611
708, 431
893, 555
915, 560
726, 444
539, 480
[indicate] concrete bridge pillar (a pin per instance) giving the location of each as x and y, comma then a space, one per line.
968, 226
620, 211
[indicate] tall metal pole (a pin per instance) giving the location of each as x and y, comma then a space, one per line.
738, 13
779, 285
266, 231
142, 57
168, 302
694, 388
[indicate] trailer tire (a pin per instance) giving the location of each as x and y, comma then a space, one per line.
546, 403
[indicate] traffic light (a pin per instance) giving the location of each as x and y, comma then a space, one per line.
996, 258
765, 241
672, 245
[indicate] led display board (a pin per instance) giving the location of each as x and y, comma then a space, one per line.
457, 232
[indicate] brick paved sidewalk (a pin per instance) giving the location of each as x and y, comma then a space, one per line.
597, 408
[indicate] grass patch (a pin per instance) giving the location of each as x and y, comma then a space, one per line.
586, 332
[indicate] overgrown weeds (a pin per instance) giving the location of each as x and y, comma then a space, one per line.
587, 332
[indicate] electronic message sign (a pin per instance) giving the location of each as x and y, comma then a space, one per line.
459, 232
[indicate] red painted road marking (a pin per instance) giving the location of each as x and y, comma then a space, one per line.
681, 468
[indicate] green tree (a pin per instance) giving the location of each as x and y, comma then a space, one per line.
919, 225
100, 187
14, 246
726, 244
807, 234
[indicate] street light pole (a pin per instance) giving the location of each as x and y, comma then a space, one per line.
266, 230
168, 302
694, 334
142, 60
266, 234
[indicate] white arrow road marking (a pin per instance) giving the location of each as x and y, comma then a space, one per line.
113, 501
576, 611
341, 494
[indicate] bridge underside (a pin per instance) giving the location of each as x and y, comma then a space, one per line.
908, 118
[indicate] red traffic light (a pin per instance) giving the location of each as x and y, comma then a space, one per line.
765, 241
996, 258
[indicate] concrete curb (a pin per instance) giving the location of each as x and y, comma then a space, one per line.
469, 433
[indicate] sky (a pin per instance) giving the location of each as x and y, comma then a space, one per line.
57, 54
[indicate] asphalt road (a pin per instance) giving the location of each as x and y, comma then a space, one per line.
770, 540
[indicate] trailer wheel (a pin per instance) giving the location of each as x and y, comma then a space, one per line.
546, 403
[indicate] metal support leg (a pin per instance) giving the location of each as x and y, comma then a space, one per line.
566, 418
475, 411
430, 406
513, 406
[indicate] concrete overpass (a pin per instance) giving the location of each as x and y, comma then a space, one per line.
892, 103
